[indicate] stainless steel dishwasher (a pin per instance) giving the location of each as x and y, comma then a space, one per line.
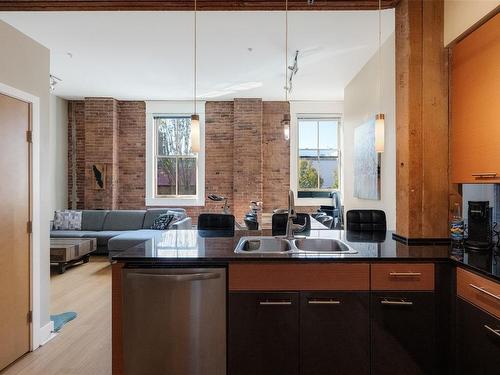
174, 321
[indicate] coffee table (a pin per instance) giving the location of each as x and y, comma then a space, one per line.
68, 251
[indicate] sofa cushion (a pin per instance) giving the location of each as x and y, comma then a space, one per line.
69, 233
93, 219
128, 239
124, 220
153, 213
102, 236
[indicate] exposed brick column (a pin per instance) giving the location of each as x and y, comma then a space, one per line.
101, 148
275, 157
247, 160
131, 154
76, 113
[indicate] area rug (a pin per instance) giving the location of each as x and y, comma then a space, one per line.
61, 319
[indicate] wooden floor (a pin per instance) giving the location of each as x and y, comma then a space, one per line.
83, 346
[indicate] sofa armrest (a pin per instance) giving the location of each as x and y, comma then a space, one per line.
185, 223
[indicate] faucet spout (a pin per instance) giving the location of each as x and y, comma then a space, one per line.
292, 214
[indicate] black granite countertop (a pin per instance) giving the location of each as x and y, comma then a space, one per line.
217, 247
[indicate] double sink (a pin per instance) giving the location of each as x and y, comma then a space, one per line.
279, 245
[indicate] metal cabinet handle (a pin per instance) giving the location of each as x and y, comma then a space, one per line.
323, 302
396, 303
484, 175
482, 290
275, 303
494, 331
179, 277
405, 274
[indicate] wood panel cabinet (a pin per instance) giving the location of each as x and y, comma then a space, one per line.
475, 114
403, 333
334, 333
478, 340
263, 333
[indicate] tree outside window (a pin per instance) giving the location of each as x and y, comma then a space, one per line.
318, 154
176, 164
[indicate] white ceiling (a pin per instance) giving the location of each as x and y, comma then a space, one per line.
149, 55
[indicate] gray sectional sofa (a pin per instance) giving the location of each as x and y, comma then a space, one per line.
117, 230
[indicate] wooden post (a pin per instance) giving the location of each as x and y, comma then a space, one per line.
421, 120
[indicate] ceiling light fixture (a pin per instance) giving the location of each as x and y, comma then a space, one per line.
53, 82
286, 117
195, 118
380, 117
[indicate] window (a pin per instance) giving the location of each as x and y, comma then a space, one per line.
318, 156
176, 165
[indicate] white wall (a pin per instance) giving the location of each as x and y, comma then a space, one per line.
24, 65
58, 153
459, 15
361, 103
305, 108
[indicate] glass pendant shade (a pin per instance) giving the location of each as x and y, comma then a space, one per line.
195, 133
379, 132
286, 126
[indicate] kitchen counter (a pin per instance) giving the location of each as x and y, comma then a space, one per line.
217, 247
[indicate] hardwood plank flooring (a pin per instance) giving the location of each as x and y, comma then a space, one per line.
83, 346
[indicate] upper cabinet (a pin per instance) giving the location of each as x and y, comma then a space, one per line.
475, 106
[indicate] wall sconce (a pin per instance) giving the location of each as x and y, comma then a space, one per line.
286, 126
379, 132
195, 133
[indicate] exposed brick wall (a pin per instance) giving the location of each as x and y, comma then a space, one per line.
246, 155
275, 157
101, 128
76, 113
131, 154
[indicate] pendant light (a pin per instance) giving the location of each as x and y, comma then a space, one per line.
195, 118
286, 117
380, 117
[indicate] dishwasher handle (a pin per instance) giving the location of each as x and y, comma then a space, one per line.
176, 277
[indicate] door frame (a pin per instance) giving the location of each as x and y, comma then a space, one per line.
39, 335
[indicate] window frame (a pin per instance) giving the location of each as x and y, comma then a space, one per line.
159, 108
318, 118
176, 157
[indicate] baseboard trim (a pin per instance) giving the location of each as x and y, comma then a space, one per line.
420, 241
46, 333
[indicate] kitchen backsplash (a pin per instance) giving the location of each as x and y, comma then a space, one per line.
482, 192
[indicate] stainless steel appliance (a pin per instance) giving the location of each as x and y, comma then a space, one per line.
174, 321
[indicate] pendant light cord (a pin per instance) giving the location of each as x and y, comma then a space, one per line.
379, 56
286, 50
195, 31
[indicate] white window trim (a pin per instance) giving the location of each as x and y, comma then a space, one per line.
318, 110
173, 108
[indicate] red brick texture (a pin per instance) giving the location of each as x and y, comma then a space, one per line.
246, 156
76, 118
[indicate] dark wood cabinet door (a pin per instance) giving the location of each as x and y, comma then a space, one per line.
334, 333
403, 333
478, 341
263, 333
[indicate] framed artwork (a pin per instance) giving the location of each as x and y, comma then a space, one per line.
366, 162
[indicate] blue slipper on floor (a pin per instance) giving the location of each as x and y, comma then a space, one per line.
61, 319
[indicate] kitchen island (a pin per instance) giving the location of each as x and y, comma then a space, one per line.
383, 309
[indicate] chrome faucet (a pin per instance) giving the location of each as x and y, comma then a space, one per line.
291, 227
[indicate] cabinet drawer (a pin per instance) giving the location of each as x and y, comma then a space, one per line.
402, 276
313, 276
479, 291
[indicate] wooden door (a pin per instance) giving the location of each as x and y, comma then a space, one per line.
403, 333
14, 238
334, 333
478, 340
263, 333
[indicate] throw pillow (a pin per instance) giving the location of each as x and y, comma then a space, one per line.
68, 220
162, 222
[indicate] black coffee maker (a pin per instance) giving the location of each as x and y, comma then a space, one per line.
479, 226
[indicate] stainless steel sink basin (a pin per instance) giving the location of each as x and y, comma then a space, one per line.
263, 245
278, 245
322, 245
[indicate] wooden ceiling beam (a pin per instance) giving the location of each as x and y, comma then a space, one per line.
183, 5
